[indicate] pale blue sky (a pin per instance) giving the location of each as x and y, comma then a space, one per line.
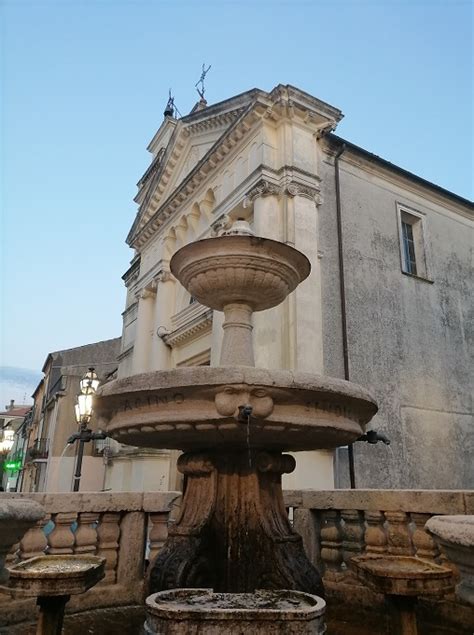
84, 85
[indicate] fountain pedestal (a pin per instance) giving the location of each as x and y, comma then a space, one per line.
233, 534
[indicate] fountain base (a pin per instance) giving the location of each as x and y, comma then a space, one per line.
233, 534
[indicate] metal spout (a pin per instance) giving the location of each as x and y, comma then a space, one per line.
373, 437
244, 413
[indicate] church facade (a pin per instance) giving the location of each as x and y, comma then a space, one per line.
386, 304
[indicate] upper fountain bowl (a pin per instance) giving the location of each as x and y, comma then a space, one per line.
258, 272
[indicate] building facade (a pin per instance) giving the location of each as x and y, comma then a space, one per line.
386, 304
12, 441
48, 461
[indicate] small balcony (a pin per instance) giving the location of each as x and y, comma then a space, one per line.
39, 450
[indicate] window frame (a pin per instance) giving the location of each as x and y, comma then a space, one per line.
420, 243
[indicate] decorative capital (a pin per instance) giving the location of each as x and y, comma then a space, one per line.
149, 291
163, 276
262, 188
306, 191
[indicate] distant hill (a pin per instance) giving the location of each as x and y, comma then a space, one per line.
17, 384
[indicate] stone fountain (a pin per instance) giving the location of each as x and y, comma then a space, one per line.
233, 422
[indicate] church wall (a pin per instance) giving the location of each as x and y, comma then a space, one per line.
408, 337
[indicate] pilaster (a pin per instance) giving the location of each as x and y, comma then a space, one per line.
164, 307
270, 332
144, 333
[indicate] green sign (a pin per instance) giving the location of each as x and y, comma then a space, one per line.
14, 466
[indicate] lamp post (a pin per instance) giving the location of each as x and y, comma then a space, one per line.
83, 409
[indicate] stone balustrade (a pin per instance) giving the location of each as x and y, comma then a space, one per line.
128, 530
339, 524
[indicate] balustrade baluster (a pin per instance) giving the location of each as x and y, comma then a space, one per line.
399, 539
61, 539
331, 543
375, 535
108, 533
34, 542
158, 533
353, 531
425, 545
86, 533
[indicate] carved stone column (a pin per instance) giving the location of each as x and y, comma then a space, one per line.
144, 332
233, 534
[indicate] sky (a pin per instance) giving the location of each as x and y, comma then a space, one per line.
83, 89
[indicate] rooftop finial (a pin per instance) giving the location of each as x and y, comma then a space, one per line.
200, 82
170, 108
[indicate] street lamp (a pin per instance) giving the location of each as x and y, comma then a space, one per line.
83, 410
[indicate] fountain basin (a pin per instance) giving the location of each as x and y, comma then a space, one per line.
16, 517
183, 611
258, 272
56, 575
198, 408
455, 534
402, 575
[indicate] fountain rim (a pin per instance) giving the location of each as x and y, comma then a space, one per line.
222, 376
302, 265
165, 610
24, 571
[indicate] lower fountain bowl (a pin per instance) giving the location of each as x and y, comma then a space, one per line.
183, 611
198, 408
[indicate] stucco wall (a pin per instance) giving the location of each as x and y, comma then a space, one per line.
408, 338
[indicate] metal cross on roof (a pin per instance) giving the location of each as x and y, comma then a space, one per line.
201, 81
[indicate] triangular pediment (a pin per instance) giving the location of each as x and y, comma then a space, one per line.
185, 150
178, 147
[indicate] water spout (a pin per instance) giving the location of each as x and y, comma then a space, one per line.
373, 437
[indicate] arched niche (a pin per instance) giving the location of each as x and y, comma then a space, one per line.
208, 204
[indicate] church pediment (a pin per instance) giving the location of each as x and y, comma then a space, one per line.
187, 144
186, 151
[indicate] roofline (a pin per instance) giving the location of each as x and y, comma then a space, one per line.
73, 348
233, 102
396, 168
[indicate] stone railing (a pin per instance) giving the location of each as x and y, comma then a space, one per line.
337, 525
127, 529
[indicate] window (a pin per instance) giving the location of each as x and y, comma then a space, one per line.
413, 250
408, 247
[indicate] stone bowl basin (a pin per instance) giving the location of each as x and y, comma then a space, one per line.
55, 575
288, 612
402, 575
258, 272
198, 408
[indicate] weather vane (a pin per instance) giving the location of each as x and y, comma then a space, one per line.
205, 71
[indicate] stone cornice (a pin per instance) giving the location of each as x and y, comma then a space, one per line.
132, 272
285, 184
160, 272
125, 353
191, 329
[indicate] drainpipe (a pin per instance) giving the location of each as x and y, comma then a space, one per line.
342, 294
